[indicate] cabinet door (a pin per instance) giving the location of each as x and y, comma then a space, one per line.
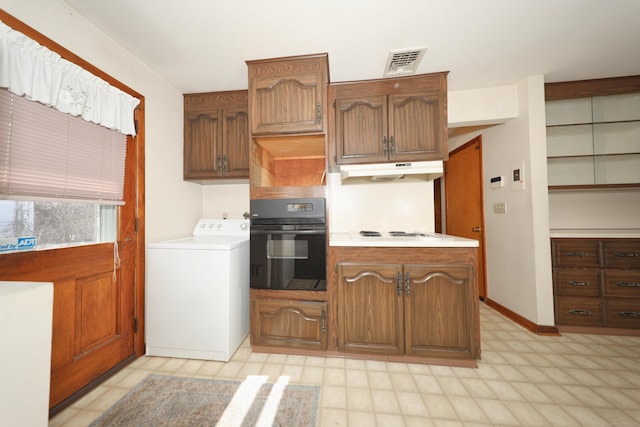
438, 308
288, 95
289, 323
202, 154
414, 128
361, 130
235, 160
370, 309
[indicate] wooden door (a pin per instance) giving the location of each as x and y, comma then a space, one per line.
236, 143
438, 310
370, 309
464, 200
202, 154
414, 127
361, 130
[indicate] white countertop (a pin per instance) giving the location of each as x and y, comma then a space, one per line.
432, 240
597, 233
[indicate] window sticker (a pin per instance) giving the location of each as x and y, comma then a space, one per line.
17, 243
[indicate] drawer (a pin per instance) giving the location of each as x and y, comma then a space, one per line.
579, 311
577, 281
622, 283
621, 253
622, 313
575, 252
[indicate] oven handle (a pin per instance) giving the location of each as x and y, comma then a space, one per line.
323, 231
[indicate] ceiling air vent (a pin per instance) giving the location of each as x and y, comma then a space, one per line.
402, 62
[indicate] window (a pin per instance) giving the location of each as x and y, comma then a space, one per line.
55, 224
60, 180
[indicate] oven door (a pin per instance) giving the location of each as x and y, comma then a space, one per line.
285, 259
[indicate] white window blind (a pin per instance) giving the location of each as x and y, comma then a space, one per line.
49, 155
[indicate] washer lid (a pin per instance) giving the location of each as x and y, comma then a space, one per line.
203, 243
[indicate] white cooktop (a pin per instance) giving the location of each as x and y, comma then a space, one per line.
410, 239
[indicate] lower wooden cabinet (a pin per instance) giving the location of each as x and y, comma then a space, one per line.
407, 309
596, 282
289, 323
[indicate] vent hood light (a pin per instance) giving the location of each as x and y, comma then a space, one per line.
427, 171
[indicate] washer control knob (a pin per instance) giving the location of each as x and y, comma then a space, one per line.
244, 226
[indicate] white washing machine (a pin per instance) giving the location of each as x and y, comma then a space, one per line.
197, 292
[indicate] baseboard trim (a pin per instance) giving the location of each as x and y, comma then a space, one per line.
525, 323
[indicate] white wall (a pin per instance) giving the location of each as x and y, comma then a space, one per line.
517, 243
614, 213
218, 199
403, 205
172, 206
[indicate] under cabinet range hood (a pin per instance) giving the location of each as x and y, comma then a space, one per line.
384, 172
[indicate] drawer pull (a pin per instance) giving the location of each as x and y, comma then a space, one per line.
629, 314
627, 254
578, 254
579, 283
628, 284
580, 312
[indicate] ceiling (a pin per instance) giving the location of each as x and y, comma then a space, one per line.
202, 45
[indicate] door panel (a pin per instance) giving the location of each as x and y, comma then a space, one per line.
413, 125
464, 195
432, 326
92, 315
370, 310
361, 125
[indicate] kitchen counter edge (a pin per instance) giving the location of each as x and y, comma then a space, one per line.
441, 241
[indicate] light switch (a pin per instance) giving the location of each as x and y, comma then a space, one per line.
500, 208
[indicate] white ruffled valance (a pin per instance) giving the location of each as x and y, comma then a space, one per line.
32, 70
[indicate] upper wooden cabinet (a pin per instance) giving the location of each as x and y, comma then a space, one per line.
388, 120
216, 135
288, 95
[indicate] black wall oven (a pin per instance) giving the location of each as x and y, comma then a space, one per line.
288, 244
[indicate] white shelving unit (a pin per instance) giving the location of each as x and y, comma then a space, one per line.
594, 141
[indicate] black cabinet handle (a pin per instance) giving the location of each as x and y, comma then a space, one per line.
578, 254
628, 284
398, 284
407, 286
627, 254
629, 314
580, 312
579, 283
318, 113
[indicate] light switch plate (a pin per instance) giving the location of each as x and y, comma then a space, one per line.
517, 177
500, 208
